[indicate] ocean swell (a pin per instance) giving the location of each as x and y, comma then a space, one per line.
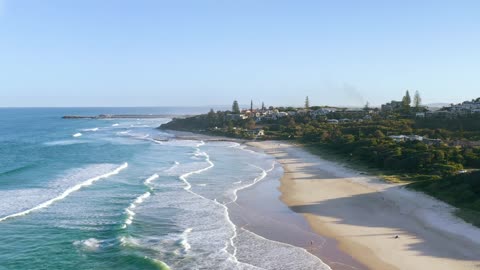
67, 192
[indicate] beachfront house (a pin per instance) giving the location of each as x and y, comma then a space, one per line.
256, 132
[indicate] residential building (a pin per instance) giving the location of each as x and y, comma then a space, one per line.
392, 106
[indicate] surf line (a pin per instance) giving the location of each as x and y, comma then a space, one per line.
138, 201
67, 192
188, 187
230, 241
263, 174
184, 177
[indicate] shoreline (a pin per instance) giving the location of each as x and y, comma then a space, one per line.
260, 210
364, 215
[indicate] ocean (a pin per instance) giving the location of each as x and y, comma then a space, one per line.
121, 194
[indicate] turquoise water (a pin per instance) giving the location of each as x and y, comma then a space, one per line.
106, 194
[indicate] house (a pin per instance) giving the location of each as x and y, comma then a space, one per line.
392, 106
282, 114
332, 121
320, 112
420, 115
466, 107
440, 114
414, 138
236, 116
403, 138
269, 117
256, 132
398, 138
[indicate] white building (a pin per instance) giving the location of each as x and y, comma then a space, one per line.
403, 138
320, 112
466, 107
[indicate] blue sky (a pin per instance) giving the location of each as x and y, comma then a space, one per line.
166, 53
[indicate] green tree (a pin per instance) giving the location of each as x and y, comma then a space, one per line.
379, 134
307, 103
407, 100
212, 118
235, 107
263, 106
417, 100
251, 105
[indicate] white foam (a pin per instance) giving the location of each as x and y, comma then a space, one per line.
115, 125
186, 175
90, 129
262, 175
150, 179
64, 142
77, 135
90, 244
271, 254
227, 213
184, 242
214, 234
139, 200
67, 192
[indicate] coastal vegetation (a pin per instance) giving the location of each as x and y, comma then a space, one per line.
440, 154
441, 150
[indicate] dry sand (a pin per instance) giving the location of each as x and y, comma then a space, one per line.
364, 214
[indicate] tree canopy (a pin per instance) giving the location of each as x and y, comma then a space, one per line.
407, 100
235, 107
417, 100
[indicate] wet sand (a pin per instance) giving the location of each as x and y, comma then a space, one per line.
364, 215
260, 210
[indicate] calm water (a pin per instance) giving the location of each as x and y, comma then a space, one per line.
104, 194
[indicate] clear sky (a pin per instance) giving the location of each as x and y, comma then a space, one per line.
205, 52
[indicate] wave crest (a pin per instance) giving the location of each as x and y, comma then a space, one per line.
67, 192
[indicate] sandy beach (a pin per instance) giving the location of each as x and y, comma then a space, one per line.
364, 215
